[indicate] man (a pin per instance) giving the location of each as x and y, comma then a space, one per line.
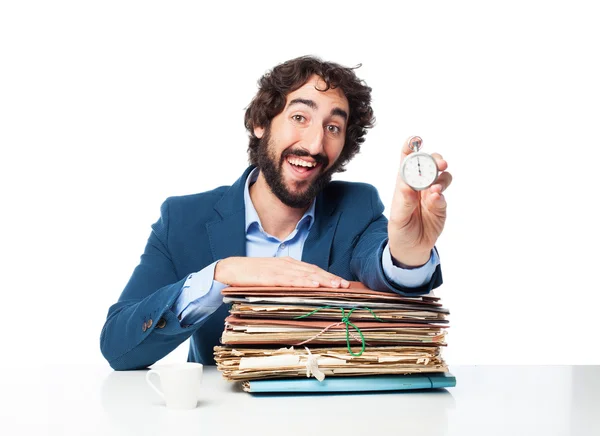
282, 223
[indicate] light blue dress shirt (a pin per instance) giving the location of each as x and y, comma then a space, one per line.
201, 294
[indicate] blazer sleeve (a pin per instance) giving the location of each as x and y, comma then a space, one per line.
366, 257
141, 328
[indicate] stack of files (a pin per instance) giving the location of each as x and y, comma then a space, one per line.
355, 334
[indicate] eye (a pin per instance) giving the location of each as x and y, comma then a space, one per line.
298, 118
333, 129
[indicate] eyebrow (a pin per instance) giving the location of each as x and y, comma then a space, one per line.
311, 104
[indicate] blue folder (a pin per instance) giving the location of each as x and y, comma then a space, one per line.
354, 384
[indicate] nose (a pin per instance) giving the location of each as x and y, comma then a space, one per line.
314, 140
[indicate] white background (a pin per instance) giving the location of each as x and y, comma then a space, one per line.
107, 108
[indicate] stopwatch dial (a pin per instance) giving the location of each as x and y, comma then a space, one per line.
419, 171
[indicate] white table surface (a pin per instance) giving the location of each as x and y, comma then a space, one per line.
488, 400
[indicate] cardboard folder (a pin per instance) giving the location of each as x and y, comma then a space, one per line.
356, 291
352, 384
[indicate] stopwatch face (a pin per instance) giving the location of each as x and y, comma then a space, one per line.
419, 170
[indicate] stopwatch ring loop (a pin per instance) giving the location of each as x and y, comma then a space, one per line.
414, 143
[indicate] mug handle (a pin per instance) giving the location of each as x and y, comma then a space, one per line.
152, 385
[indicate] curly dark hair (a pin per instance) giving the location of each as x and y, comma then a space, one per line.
287, 77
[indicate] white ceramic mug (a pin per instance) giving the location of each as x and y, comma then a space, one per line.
180, 384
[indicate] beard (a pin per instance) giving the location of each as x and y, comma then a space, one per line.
272, 169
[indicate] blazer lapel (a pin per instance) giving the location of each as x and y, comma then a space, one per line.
227, 236
227, 232
317, 247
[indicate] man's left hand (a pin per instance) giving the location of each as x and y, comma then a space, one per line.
417, 217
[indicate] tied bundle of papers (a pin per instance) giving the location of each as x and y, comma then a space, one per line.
281, 332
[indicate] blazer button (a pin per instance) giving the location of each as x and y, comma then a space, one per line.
161, 323
149, 323
144, 327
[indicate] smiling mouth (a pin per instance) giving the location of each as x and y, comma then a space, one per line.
301, 168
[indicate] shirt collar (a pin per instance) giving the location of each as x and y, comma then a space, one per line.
252, 215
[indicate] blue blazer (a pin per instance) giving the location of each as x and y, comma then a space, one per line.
193, 231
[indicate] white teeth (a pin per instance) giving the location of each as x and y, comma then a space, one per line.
302, 163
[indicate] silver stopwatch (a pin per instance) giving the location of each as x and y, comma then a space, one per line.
419, 170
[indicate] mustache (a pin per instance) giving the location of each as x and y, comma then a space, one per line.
318, 158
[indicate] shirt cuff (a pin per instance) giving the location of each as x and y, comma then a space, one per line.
410, 278
200, 296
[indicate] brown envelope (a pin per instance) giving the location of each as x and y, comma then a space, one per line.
356, 291
320, 324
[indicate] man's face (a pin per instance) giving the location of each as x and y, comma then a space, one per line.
298, 154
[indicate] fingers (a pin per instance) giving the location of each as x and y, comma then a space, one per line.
274, 271
434, 199
444, 178
442, 183
436, 203
440, 162
313, 276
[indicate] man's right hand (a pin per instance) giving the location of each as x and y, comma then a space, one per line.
274, 271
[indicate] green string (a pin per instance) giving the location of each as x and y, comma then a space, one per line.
346, 321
